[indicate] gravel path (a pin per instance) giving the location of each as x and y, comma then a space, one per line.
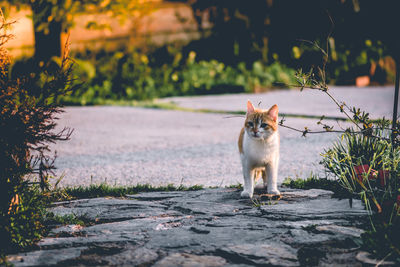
127, 146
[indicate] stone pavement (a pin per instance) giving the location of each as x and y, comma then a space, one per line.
211, 227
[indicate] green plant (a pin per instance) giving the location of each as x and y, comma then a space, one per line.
355, 150
314, 181
238, 186
257, 203
50, 220
105, 190
383, 241
28, 110
310, 228
365, 162
381, 195
134, 76
24, 222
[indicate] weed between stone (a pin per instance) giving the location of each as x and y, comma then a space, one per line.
105, 190
314, 182
51, 220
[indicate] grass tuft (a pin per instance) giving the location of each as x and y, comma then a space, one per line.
105, 190
236, 186
52, 220
314, 182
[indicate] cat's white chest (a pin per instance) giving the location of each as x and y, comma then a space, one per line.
259, 152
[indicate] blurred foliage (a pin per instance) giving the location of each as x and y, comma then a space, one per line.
52, 18
136, 76
27, 126
360, 41
233, 31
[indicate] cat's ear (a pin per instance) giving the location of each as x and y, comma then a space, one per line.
250, 108
273, 112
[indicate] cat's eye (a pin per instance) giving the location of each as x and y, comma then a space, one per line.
250, 124
263, 125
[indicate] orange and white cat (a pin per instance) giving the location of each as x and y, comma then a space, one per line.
259, 149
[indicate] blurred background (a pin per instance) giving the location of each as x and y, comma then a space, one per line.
145, 49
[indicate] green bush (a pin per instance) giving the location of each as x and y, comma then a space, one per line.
381, 197
133, 76
28, 111
366, 163
355, 150
24, 221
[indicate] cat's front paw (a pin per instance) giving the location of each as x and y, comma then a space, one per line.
246, 194
274, 192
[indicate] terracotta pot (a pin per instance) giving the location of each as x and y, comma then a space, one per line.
360, 170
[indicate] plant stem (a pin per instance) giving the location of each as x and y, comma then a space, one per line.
345, 113
331, 131
394, 119
333, 99
396, 99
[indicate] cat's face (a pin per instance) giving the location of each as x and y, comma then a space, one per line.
261, 124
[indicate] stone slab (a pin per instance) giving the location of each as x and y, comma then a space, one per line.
210, 227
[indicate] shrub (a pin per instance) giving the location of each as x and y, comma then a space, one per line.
365, 162
23, 224
28, 108
133, 76
368, 167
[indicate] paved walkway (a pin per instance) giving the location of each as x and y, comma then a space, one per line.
211, 227
378, 101
127, 146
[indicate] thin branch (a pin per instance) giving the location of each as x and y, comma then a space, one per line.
314, 44
331, 97
342, 110
308, 131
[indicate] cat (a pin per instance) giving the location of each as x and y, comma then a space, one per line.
259, 149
